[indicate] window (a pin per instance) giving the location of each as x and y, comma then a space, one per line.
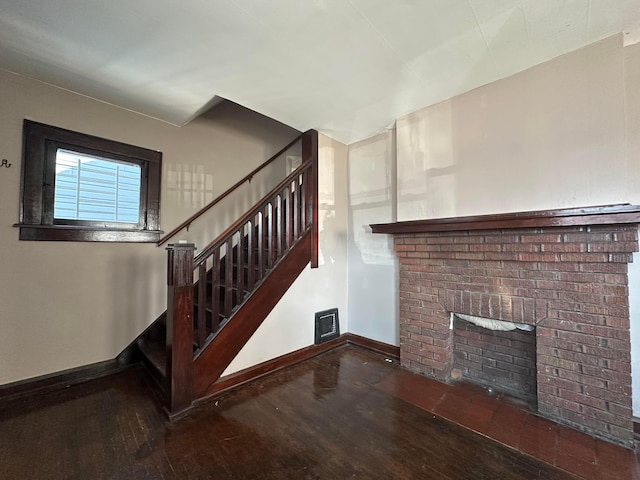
83, 188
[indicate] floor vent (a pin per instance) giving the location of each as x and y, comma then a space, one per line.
327, 325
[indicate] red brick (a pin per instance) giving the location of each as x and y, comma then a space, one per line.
563, 247
559, 383
427, 248
559, 363
538, 275
607, 417
613, 247
413, 240
538, 257
519, 247
616, 279
607, 332
439, 240
471, 239
518, 283
550, 390
619, 378
587, 237
580, 317
541, 238
617, 322
627, 236
559, 266
603, 267
585, 257
581, 297
606, 394
582, 379
503, 239
581, 277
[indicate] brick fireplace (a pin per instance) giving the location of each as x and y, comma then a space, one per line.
562, 271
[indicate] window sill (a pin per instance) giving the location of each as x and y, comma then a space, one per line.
72, 233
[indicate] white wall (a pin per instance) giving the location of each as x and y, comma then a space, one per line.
373, 290
65, 304
552, 136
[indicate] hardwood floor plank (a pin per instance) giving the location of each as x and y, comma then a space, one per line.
321, 419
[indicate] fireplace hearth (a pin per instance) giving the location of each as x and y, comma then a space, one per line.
562, 271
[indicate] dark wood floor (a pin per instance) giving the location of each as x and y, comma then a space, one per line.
322, 419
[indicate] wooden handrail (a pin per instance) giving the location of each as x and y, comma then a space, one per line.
206, 251
222, 196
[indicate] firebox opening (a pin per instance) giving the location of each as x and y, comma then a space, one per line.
498, 355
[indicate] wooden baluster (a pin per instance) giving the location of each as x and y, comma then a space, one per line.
179, 343
288, 217
278, 221
251, 255
215, 290
310, 151
296, 209
303, 200
201, 331
269, 234
228, 278
261, 245
240, 267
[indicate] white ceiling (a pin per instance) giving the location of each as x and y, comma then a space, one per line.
345, 67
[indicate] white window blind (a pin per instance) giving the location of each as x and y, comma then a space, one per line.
96, 189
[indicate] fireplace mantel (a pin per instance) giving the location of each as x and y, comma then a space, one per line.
600, 215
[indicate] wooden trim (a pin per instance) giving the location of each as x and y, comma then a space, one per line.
255, 372
62, 379
222, 196
85, 234
373, 345
265, 368
601, 215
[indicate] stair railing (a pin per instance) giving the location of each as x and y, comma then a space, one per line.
247, 178
230, 267
204, 292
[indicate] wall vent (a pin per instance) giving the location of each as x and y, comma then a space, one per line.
327, 325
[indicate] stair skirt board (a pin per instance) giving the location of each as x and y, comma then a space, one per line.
214, 359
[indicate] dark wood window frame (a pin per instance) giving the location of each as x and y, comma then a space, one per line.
38, 171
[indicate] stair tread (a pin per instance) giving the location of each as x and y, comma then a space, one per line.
155, 353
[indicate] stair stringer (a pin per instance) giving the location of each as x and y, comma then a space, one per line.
211, 363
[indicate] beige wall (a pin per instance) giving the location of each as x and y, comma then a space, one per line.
64, 304
552, 136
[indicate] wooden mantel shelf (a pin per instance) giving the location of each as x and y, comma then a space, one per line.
602, 215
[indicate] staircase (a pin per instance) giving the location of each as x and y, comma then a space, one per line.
217, 299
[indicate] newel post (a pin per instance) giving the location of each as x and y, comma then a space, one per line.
179, 325
310, 150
